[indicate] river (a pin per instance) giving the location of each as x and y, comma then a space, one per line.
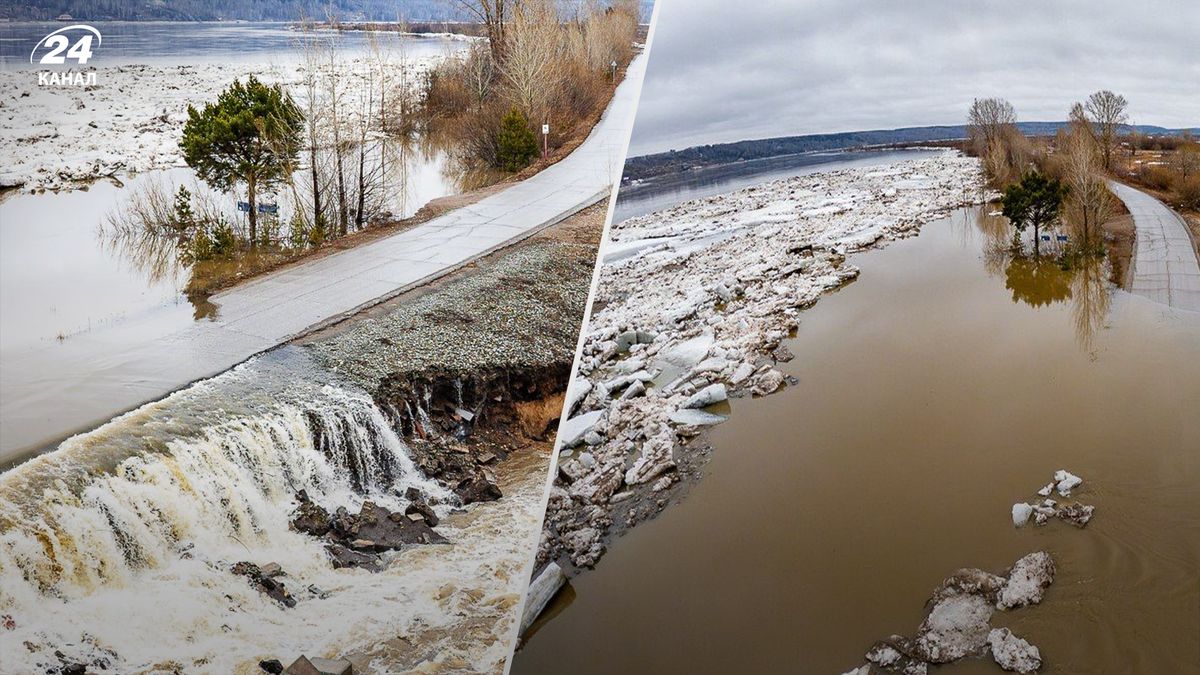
942, 386
662, 192
171, 42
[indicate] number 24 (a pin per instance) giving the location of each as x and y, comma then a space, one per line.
81, 52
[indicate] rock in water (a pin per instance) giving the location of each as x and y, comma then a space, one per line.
1012, 653
342, 557
477, 489
266, 584
389, 530
1027, 581
422, 508
1021, 513
310, 518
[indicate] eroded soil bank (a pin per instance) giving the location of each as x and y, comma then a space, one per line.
924, 400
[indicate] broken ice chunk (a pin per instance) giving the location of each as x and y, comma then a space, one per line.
1021, 513
1066, 481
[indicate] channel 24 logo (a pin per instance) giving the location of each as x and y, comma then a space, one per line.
72, 43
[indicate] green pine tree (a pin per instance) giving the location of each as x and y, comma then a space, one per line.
251, 135
516, 144
1035, 201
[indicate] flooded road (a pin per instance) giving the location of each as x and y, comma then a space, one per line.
944, 385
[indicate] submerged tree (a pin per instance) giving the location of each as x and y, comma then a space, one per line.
251, 135
1036, 201
1080, 165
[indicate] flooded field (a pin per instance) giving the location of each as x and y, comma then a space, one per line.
65, 274
942, 386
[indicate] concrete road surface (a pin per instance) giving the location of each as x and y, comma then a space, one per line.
1165, 268
76, 385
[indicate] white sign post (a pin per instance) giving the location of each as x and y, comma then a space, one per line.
545, 141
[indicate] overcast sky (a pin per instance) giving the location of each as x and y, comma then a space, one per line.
728, 70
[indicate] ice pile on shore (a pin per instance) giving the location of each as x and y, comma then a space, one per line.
694, 303
130, 121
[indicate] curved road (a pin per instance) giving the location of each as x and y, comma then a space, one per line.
112, 370
1165, 268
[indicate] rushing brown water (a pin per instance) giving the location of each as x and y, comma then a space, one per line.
944, 385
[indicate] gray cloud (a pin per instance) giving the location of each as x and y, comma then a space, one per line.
726, 71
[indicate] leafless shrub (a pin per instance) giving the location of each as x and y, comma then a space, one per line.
553, 68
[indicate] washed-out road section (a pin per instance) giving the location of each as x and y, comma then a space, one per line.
144, 359
1165, 268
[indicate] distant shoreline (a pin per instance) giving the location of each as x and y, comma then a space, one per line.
643, 167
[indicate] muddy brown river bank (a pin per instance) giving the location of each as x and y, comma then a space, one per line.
942, 386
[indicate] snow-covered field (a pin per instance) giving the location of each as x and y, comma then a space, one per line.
694, 302
130, 121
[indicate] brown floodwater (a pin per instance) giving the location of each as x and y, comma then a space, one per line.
944, 385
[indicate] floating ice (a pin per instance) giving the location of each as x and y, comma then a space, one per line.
1066, 481
1020, 513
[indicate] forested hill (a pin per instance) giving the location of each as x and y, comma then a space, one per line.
243, 10
212, 10
646, 166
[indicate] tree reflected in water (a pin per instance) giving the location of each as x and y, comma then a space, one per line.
1041, 281
1037, 281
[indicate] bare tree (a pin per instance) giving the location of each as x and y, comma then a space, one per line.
480, 72
530, 68
335, 94
1187, 157
1089, 202
494, 15
1107, 112
988, 121
312, 50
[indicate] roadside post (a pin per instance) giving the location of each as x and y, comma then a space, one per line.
546, 141
613, 65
